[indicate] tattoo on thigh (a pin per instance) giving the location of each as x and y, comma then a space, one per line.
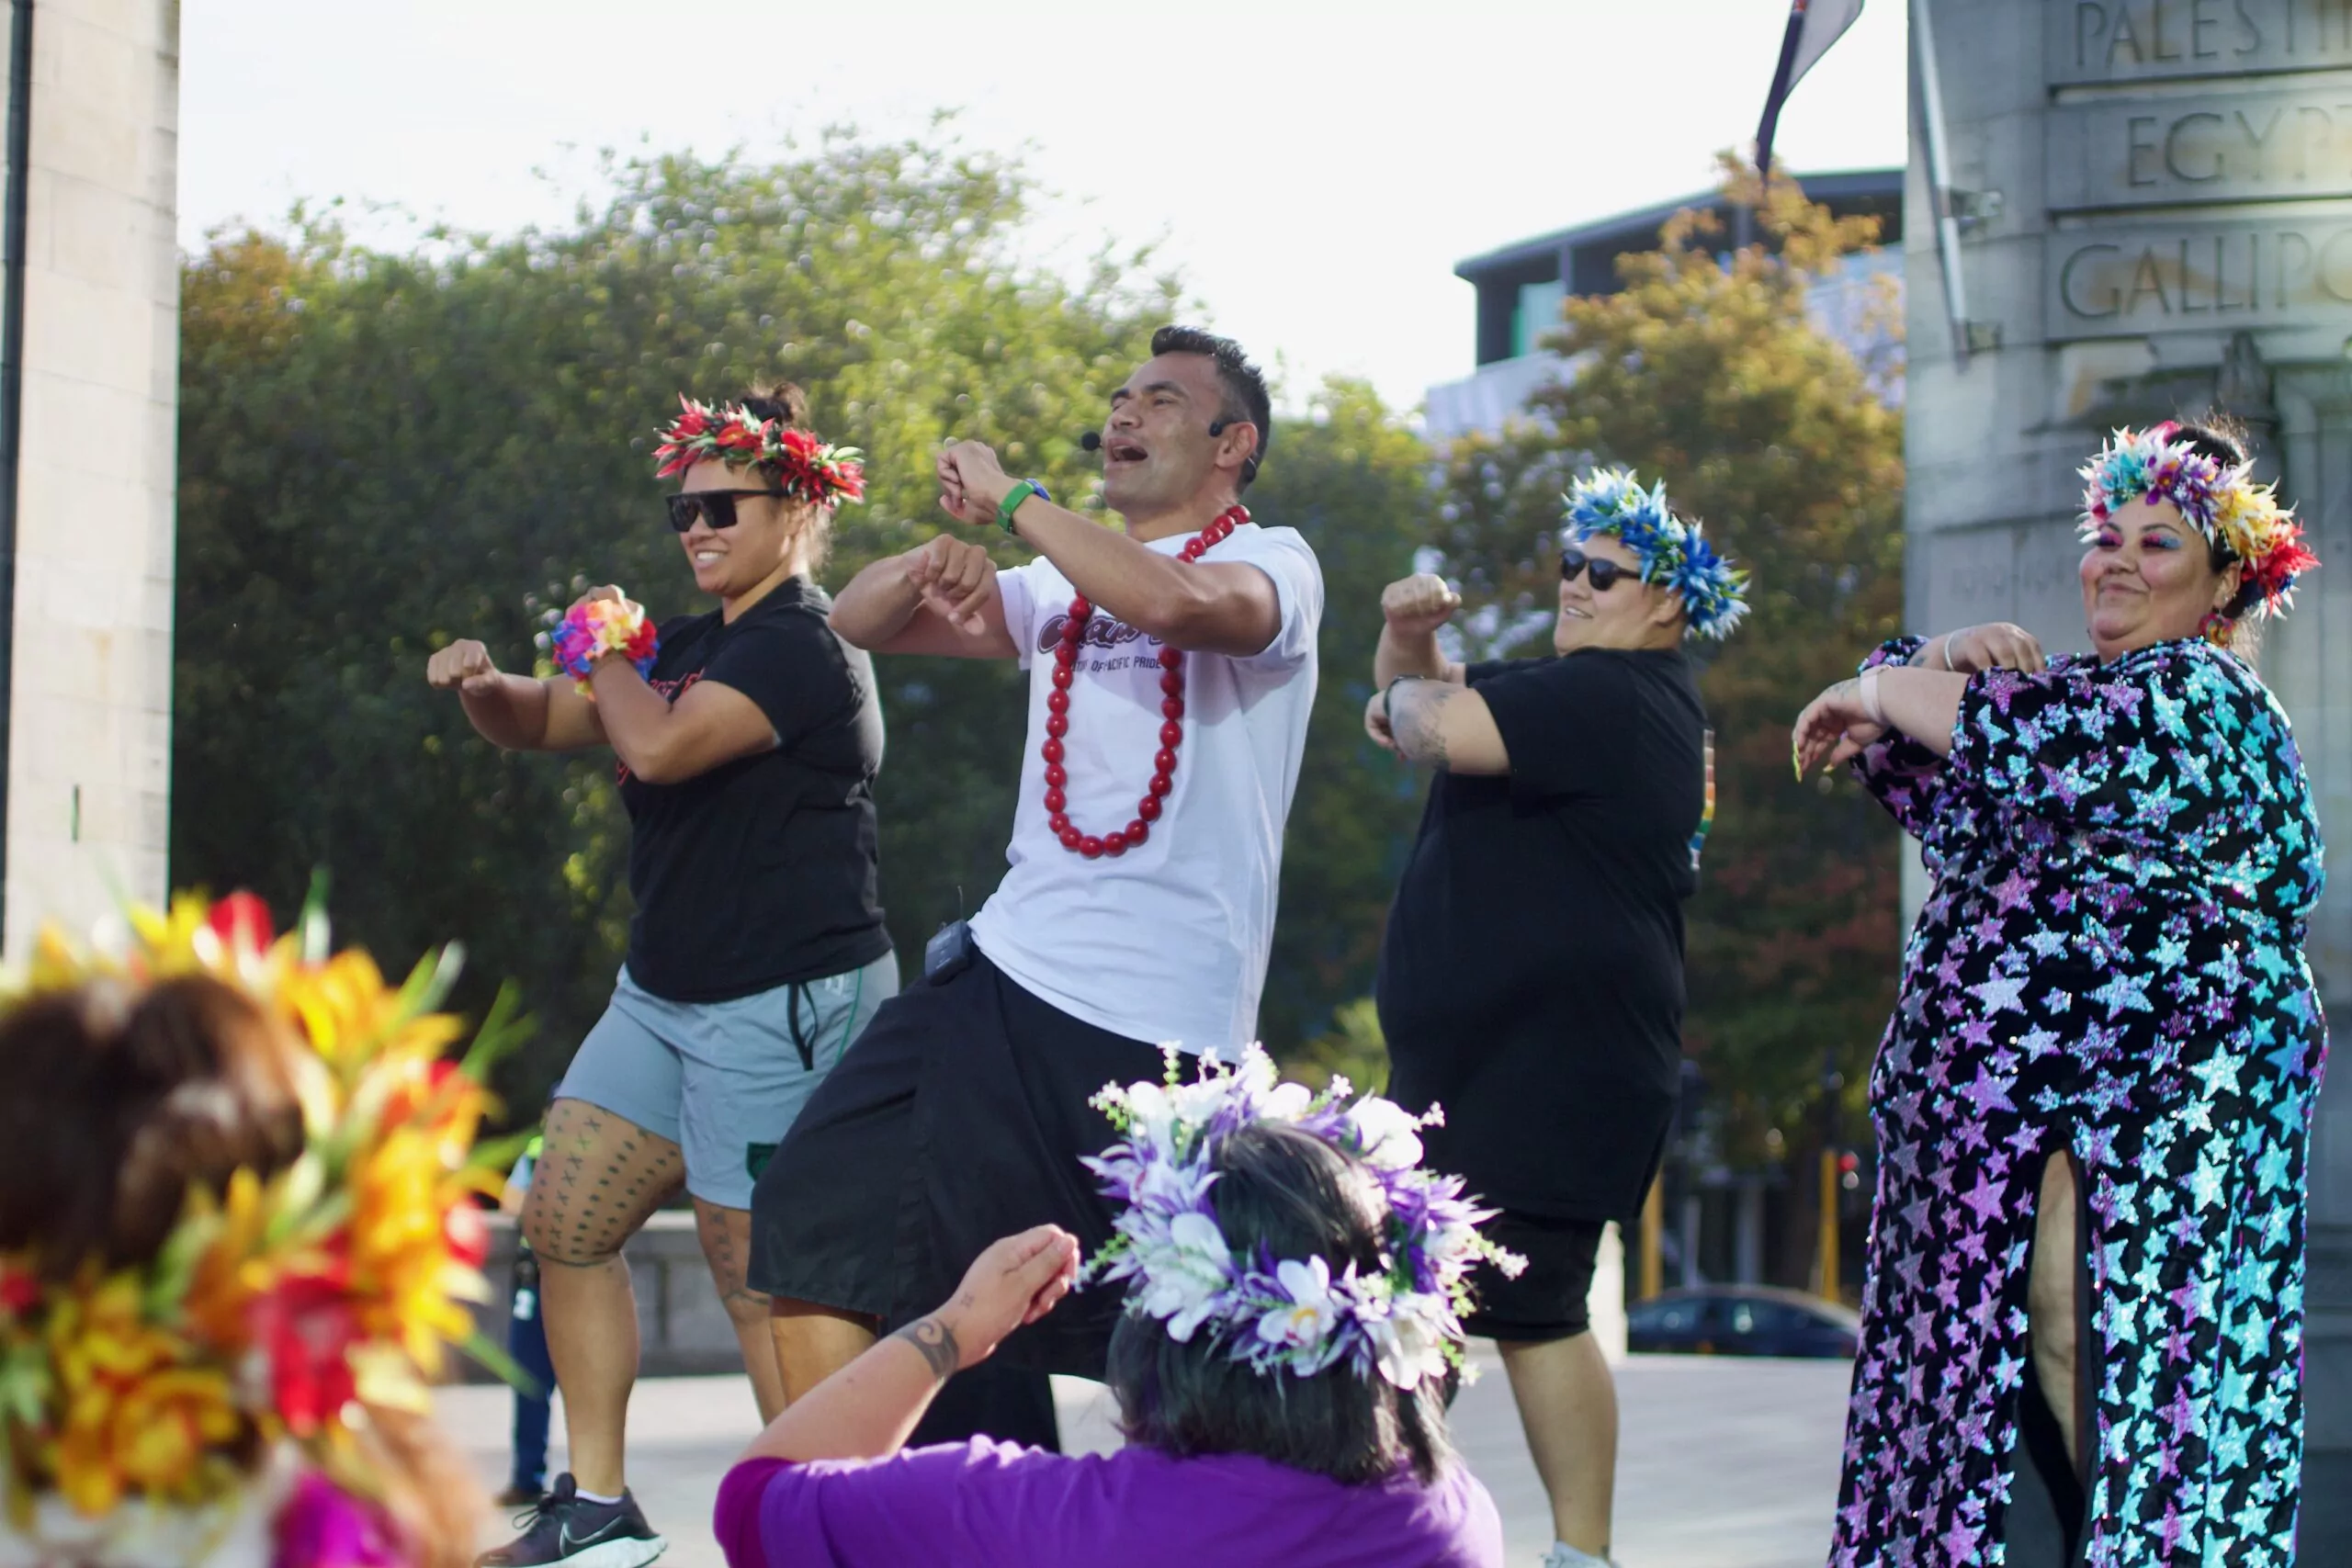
937, 1343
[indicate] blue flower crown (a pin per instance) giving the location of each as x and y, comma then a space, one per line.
1673, 554
1403, 1323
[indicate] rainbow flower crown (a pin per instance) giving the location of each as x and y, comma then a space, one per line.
1403, 1323
1673, 554
228, 1364
2222, 501
795, 461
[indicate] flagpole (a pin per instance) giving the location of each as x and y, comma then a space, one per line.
1931, 111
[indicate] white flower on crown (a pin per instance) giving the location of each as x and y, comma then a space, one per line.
1409, 1339
1186, 1271
1180, 1270
1452, 1246
1312, 1311
1152, 1116
1390, 1135
1288, 1101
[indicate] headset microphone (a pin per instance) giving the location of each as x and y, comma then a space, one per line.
1090, 441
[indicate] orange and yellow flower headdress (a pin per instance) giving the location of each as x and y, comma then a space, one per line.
281, 1305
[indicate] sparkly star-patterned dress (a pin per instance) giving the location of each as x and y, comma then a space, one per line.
2125, 856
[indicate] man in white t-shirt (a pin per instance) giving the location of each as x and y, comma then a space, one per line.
1171, 670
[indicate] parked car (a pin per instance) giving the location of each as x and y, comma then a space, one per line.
1742, 1320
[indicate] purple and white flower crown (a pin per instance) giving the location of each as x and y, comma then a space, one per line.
1403, 1322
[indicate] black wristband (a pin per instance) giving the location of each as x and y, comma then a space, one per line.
1388, 699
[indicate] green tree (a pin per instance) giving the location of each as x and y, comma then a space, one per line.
381, 452
1356, 483
1708, 369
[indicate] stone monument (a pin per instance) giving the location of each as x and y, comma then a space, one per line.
2146, 210
95, 383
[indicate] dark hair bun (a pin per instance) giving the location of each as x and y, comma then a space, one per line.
2214, 435
778, 399
118, 1101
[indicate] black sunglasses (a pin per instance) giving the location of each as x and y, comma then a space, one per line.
715, 506
1606, 574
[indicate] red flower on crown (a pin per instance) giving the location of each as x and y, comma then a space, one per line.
794, 460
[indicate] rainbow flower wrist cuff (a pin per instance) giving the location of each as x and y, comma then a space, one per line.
597, 628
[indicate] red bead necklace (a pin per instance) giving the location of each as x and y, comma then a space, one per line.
1172, 711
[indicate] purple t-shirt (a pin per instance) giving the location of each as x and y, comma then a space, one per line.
986, 1504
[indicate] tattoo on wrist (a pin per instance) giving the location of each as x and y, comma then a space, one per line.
937, 1341
1414, 721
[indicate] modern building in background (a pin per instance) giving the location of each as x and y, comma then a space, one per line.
1522, 285
2146, 210
90, 389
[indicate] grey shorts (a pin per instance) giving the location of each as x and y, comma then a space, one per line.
723, 1080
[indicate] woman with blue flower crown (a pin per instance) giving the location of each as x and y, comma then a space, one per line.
2094, 1098
1530, 980
1295, 1283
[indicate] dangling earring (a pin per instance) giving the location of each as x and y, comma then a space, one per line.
2216, 628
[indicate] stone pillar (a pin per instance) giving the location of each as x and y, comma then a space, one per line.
2156, 206
89, 752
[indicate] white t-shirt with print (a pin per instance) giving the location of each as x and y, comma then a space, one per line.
1167, 941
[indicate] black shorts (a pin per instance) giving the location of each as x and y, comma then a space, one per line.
1547, 1301
957, 1117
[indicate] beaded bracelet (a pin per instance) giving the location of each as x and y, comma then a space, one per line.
591, 630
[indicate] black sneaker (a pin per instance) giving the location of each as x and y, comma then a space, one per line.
569, 1529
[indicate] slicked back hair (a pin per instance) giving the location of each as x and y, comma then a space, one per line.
1241, 384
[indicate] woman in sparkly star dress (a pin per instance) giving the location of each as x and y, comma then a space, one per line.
2093, 1101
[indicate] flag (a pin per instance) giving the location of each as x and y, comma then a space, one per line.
1814, 25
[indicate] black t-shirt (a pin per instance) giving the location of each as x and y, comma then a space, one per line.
762, 871
1531, 979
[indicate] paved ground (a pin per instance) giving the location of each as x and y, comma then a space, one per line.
1723, 1463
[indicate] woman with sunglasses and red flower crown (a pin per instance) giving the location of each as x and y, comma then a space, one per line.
1531, 979
748, 738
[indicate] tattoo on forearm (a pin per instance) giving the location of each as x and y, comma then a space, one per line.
937, 1343
1414, 720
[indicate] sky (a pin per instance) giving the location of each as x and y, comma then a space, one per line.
1312, 169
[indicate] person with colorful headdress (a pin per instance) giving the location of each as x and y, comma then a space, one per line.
2093, 1101
748, 738
239, 1234
1287, 1287
1170, 670
1531, 975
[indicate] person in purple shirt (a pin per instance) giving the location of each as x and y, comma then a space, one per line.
1291, 1333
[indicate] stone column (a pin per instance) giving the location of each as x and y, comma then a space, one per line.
89, 752
2156, 205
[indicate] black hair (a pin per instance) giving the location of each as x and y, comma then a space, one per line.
1295, 1196
778, 399
784, 401
1243, 384
2223, 439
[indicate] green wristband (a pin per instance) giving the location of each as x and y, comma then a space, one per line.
1022, 491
